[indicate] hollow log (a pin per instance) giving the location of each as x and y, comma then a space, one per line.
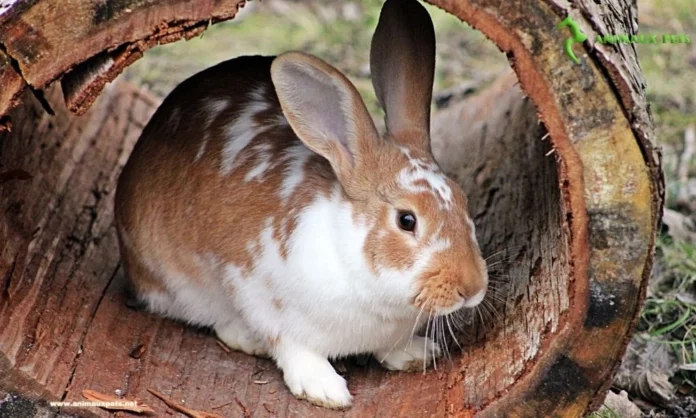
558, 160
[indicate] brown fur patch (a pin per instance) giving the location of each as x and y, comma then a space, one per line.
175, 208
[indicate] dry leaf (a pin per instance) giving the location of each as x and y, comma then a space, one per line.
180, 408
621, 405
95, 396
653, 387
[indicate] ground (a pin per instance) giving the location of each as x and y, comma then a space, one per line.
662, 357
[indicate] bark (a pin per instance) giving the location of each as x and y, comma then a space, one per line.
564, 185
104, 38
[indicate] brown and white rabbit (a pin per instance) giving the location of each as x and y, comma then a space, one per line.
260, 200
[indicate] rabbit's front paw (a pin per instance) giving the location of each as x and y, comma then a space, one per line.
416, 355
312, 377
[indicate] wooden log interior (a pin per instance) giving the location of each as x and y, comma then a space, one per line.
558, 161
494, 145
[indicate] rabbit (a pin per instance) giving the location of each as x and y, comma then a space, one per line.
261, 201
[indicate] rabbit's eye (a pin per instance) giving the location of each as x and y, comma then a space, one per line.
406, 220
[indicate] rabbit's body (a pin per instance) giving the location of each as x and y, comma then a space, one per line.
266, 238
261, 201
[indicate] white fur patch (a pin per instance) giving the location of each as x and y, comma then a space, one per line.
6, 5
428, 172
243, 129
211, 109
476, 299
232, 275
472, 228
264, 163
186, 299
201, 150
309, 375
332, 302
437, 184
438, 245
297, 156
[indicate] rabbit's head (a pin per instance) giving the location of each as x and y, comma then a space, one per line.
420, 242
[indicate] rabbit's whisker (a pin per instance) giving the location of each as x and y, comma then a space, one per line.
425, 343
449, 327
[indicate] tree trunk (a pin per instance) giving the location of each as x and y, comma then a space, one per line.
560, 168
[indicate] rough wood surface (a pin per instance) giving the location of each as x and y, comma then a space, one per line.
12, 85
103, 38
57, 250
576, 228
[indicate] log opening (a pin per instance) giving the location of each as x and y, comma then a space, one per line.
576, 230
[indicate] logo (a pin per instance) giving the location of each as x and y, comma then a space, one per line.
578, 37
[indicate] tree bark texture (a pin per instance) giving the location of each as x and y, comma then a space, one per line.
559, 162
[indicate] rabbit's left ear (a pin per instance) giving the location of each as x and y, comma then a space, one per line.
325, 110
402, 61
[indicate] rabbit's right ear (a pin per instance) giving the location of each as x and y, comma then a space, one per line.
402, 62
325, 111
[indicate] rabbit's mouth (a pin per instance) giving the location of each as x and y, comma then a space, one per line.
445, 291
462, 302
440, 311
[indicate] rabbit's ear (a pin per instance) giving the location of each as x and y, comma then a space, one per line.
402, 60
324, 109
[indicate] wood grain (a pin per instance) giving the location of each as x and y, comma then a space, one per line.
102, 38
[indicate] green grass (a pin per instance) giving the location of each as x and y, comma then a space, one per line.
606, 412
669, 314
